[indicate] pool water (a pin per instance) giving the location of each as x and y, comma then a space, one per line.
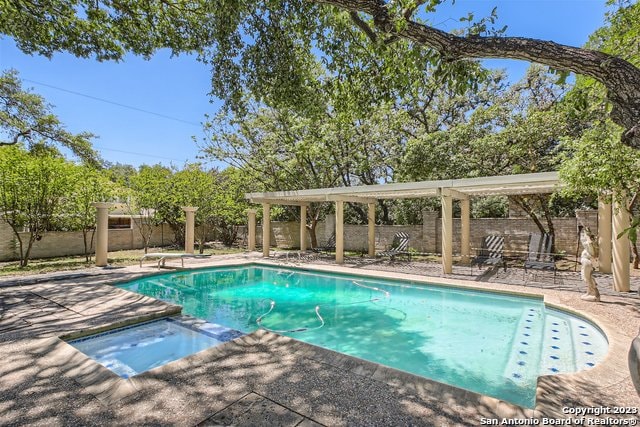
139, 348
490, 343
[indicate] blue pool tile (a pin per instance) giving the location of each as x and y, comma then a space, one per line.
230, 335
555, 357
522, 352
555, 347
516, 375
554, 369
521, 363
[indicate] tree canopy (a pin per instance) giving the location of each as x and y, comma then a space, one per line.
266, 47
26, 117
32, 191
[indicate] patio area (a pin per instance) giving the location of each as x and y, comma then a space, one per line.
264, 378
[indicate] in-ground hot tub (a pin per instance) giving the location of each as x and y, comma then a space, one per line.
138, 348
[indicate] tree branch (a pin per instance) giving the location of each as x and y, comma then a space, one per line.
620, 77
363, 26
23, 134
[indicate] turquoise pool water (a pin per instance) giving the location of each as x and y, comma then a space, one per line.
490, 343
138, 348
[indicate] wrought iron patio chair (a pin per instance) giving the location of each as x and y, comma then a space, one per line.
399, 246
491, 252
329, 246
540, 256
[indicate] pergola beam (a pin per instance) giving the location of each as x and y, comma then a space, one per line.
534, 183
455, 194
351, 199
508, 191
279, 202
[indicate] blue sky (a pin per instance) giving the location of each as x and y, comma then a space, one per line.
173, 92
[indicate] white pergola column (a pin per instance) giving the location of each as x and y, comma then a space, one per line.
251, 226
371, 228
447, 233
189, 228
465, 229
339, 232
604, 235
102, 232
266, 229
303, 227
621, 221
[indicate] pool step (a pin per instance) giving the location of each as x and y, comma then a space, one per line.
524, 359
572, 338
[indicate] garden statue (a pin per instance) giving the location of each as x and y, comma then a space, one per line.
587, 258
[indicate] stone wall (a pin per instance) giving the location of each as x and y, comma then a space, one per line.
424, 238
427, 238
61, 243
286, 234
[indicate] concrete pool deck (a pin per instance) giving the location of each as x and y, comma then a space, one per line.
263, 378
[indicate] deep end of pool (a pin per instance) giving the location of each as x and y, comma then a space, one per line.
137, 348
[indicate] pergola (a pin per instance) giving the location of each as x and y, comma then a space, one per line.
613, 252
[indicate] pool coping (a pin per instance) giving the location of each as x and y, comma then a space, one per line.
109, 388
103, 383
612, 369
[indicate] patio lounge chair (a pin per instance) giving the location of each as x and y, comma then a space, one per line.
329, 246
399, 246
540, 256
163, 256
491, 252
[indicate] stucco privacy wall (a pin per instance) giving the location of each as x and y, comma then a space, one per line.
60, 243
427, 237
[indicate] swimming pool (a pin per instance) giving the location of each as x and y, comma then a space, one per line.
490, 343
